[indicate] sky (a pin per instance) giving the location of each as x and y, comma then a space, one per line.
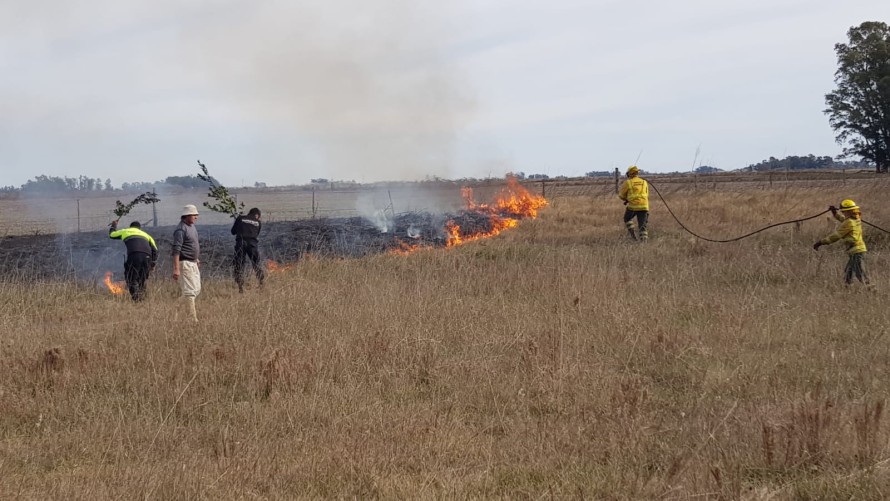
283, 91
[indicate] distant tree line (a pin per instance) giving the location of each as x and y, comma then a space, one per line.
808, 162
43, 184
54, 184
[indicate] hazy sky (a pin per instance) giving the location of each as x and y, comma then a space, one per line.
281, 91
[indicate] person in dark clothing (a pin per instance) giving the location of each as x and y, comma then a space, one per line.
142, 255
247, 230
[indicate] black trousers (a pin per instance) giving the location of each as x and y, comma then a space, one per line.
642, 221
243, 253
855, 268
136, 270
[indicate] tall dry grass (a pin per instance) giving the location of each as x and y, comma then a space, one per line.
556, 360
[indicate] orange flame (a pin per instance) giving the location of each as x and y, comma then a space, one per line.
512, 204
116, 288
404, 248
517, 201
274, 267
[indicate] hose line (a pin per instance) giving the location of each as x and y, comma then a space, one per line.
736, 238
875, 226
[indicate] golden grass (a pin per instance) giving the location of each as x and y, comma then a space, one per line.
556, 360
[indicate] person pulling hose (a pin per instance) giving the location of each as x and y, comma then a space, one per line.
850, 231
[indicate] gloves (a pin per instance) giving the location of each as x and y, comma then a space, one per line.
817, 245
832, 208
114, 224
625, 202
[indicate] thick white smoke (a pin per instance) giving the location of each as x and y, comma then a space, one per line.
365, 87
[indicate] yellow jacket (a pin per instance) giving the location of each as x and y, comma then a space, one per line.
850, 231
635, 191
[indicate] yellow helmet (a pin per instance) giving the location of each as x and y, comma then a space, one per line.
633, 170
849, 205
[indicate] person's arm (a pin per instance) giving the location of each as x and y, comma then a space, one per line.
834, 213
623, 193
235, 225
112, 231
841, 232
154, 251
178, 237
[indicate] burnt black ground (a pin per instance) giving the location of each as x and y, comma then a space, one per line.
87, 256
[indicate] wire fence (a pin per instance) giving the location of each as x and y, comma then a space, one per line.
73, 214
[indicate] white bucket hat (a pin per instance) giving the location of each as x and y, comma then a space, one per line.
189, 210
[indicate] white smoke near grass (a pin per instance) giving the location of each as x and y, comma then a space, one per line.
375, 208
379, 206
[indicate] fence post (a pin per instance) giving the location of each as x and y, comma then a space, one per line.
78, 215
154, 209
617, 179
313, 203
543, 189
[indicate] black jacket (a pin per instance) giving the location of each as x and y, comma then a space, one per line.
246, 230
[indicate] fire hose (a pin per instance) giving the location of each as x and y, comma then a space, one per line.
747, 234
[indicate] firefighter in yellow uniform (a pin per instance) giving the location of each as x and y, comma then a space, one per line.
635, 195
850, 231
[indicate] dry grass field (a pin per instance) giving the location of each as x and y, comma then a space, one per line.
556, 360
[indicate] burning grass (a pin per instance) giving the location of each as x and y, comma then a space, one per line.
556, 360
116, 288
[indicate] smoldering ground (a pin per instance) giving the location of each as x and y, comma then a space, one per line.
86, 257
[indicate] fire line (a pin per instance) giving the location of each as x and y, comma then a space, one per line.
115, 288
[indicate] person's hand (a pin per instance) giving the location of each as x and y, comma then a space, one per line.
832, 208
114, 224
817, 245
175, 274
625, 202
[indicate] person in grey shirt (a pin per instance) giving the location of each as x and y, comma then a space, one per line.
186, 258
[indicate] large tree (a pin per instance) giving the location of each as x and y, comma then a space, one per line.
859, 109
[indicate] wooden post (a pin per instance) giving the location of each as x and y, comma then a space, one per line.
617, 180
78, 215
313, 203
154, 210
543, 189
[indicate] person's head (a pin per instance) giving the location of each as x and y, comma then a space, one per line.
254, 213
849, 208
189, 214
632, 171
135, 224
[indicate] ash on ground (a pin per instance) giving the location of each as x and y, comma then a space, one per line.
87, 256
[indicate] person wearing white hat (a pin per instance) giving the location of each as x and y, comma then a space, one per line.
186, 257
